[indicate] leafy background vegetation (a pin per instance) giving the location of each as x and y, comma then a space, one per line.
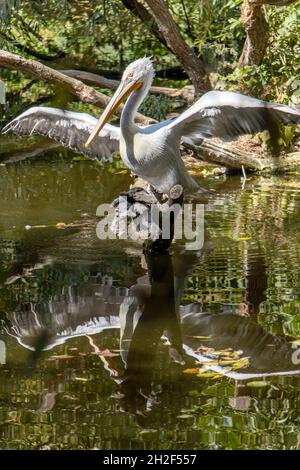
103, 36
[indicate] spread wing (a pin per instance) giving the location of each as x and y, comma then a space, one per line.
68, 128
228, 115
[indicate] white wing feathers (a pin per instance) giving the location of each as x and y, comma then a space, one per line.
228, 115
68, 128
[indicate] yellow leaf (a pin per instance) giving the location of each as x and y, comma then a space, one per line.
208, 374
191, 371
60, 225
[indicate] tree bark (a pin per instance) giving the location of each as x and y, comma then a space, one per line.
257, 33
89, 78
186, 56
49, 75
257, 29
232, 158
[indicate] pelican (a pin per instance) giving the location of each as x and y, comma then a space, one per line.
153, 152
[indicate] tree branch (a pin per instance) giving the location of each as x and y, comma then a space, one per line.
186, 56
49, 75
143, 14
103, 82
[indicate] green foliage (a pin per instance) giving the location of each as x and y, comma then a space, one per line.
278, 77
156, 106
104, 35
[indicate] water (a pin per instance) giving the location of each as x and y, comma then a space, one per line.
98, 354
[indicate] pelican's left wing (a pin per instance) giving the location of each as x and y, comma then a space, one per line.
68, 128
228, 115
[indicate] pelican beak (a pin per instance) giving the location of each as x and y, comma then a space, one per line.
121, 94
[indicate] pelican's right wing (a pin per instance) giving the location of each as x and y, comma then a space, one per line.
228, 115
68, 128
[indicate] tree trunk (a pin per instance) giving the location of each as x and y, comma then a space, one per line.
257, 33
186, 56
257, 29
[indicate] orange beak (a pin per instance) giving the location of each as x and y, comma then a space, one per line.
120, 95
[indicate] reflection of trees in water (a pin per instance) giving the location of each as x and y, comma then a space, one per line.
255, 234
65, 182
47, 301
75, 391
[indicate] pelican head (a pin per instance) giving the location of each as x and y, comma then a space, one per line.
138, 75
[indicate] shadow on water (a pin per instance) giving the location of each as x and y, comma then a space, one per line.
103, 344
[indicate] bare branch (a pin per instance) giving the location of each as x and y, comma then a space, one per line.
49, 75
103, 82
186, 56
143, 14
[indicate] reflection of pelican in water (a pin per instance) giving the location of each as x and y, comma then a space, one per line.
146, 312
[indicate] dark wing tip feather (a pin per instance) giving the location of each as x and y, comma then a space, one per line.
68, 128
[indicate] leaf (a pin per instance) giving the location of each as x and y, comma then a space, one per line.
200, 337
191, 371
213, 375
241, 363
257, 384
60, 225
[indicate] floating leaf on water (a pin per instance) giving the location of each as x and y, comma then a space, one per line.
217, 376
208, 374
241, 363
200, 337
60, 225
257, 384
225, 362
191, 371
205, 349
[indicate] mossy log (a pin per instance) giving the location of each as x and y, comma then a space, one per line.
223, 154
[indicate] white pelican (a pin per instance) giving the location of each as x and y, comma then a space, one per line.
153, 152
